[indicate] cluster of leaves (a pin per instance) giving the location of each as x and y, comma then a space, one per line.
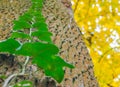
37, 42
99, 21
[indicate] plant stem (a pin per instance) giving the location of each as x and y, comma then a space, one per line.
23, 69
13, 75
26, 61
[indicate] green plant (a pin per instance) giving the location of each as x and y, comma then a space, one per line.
31, 38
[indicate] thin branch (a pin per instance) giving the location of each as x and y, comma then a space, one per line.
76, 5
10, 77
19, 74
26, 62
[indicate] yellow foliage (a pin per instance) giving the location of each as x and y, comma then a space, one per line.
99, 21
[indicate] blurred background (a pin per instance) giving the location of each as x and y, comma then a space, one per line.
99, 21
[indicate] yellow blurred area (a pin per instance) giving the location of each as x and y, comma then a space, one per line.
99, 21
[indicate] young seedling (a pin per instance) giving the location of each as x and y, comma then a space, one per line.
31, 38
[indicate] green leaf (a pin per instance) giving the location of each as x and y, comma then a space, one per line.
24, 83
21, 25
37, 2
37, 5
36, 49
39, 19
49, 67
43, 35
52, 65
60, 62
41, 26
57, 73
26, 17
9, 45
3, 77
20, 35
36, 13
